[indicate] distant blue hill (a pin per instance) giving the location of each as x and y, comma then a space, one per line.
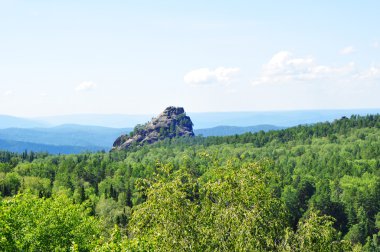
17, 146
214, 119
103, 120
70, 135
200, 120
233, 130
18, 134
283, 118
72, 139
12, 121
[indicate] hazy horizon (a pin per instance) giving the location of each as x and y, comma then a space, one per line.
192, 112
280, 118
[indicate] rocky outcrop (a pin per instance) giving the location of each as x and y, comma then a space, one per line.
173, 122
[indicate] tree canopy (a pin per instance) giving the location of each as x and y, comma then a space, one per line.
307, 188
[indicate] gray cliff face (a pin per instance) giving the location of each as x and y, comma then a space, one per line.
173, 122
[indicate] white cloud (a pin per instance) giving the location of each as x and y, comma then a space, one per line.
373, 73
347, 50
85, 86
376, 44
8, 93
43, 94
284, 67
206, 76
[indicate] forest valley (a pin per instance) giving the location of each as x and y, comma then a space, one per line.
307, 188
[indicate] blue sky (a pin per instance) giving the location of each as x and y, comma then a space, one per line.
137, 57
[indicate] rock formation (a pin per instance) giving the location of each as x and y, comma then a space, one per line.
173, 122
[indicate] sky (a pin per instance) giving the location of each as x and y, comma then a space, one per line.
138, 57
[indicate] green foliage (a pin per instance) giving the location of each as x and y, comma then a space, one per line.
28, 223
314, 233
138, 129
9, 183
307, 188
234, 211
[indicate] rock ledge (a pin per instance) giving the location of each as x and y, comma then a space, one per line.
172, 122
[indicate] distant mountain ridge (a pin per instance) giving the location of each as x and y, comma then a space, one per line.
101, 120
18, 122
71, 139
19, 134
71, 135
234, 130
283, 118
201, 120
18, 146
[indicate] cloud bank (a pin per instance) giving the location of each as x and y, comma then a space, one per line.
85, 86
284, 67
347, 50
206, 76
8, 93
373, 73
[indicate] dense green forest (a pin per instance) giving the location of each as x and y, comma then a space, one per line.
306, 188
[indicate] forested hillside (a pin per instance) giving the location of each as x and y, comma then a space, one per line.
19, 147
232, 130
306, 188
